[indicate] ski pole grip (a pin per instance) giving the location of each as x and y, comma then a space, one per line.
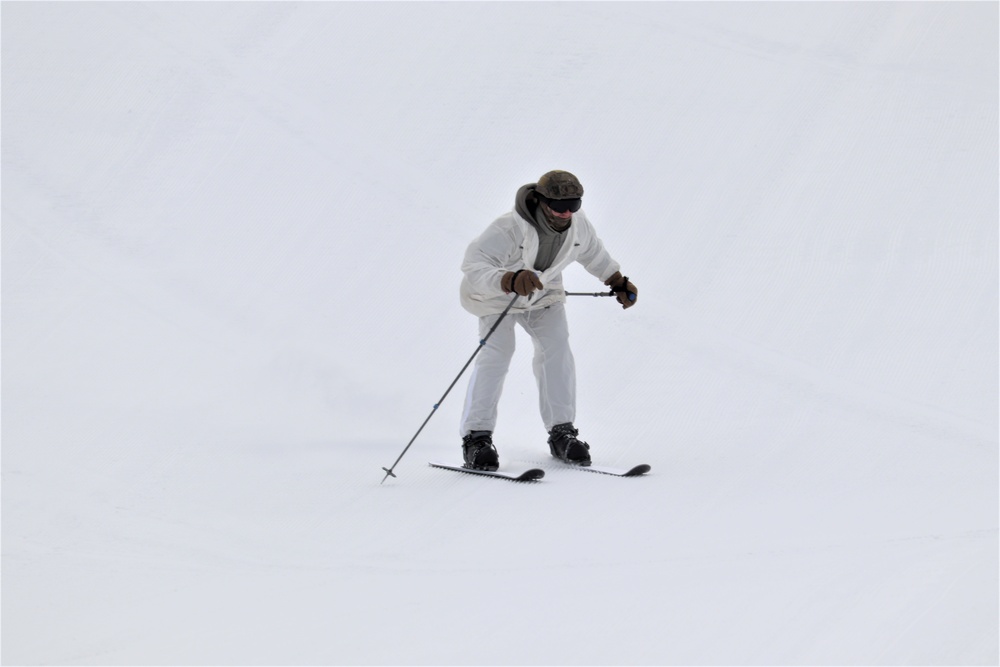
624, 288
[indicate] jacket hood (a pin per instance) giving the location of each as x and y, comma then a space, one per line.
525, 203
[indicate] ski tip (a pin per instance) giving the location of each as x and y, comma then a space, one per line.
531, 475
641, 469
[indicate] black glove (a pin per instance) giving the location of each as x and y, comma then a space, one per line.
626, 293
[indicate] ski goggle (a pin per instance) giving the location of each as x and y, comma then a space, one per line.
562, 205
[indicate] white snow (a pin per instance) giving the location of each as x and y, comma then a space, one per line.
231, 238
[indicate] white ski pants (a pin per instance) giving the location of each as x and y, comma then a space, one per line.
555, 370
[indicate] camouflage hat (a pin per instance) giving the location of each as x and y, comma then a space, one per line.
559, 185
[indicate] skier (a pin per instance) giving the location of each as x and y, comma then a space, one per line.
524, 252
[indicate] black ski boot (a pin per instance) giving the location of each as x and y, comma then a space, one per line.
565, 446
479, 452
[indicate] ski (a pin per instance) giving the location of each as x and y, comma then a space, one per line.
532, 475
634, 471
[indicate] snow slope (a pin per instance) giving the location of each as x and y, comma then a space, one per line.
231, 238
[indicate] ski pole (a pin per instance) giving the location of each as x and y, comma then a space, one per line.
631, 297
609, 293
389, 471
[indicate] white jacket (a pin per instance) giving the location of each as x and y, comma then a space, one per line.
510, 243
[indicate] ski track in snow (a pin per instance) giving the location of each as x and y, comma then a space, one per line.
231, 238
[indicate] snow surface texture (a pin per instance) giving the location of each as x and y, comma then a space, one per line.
231, 239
